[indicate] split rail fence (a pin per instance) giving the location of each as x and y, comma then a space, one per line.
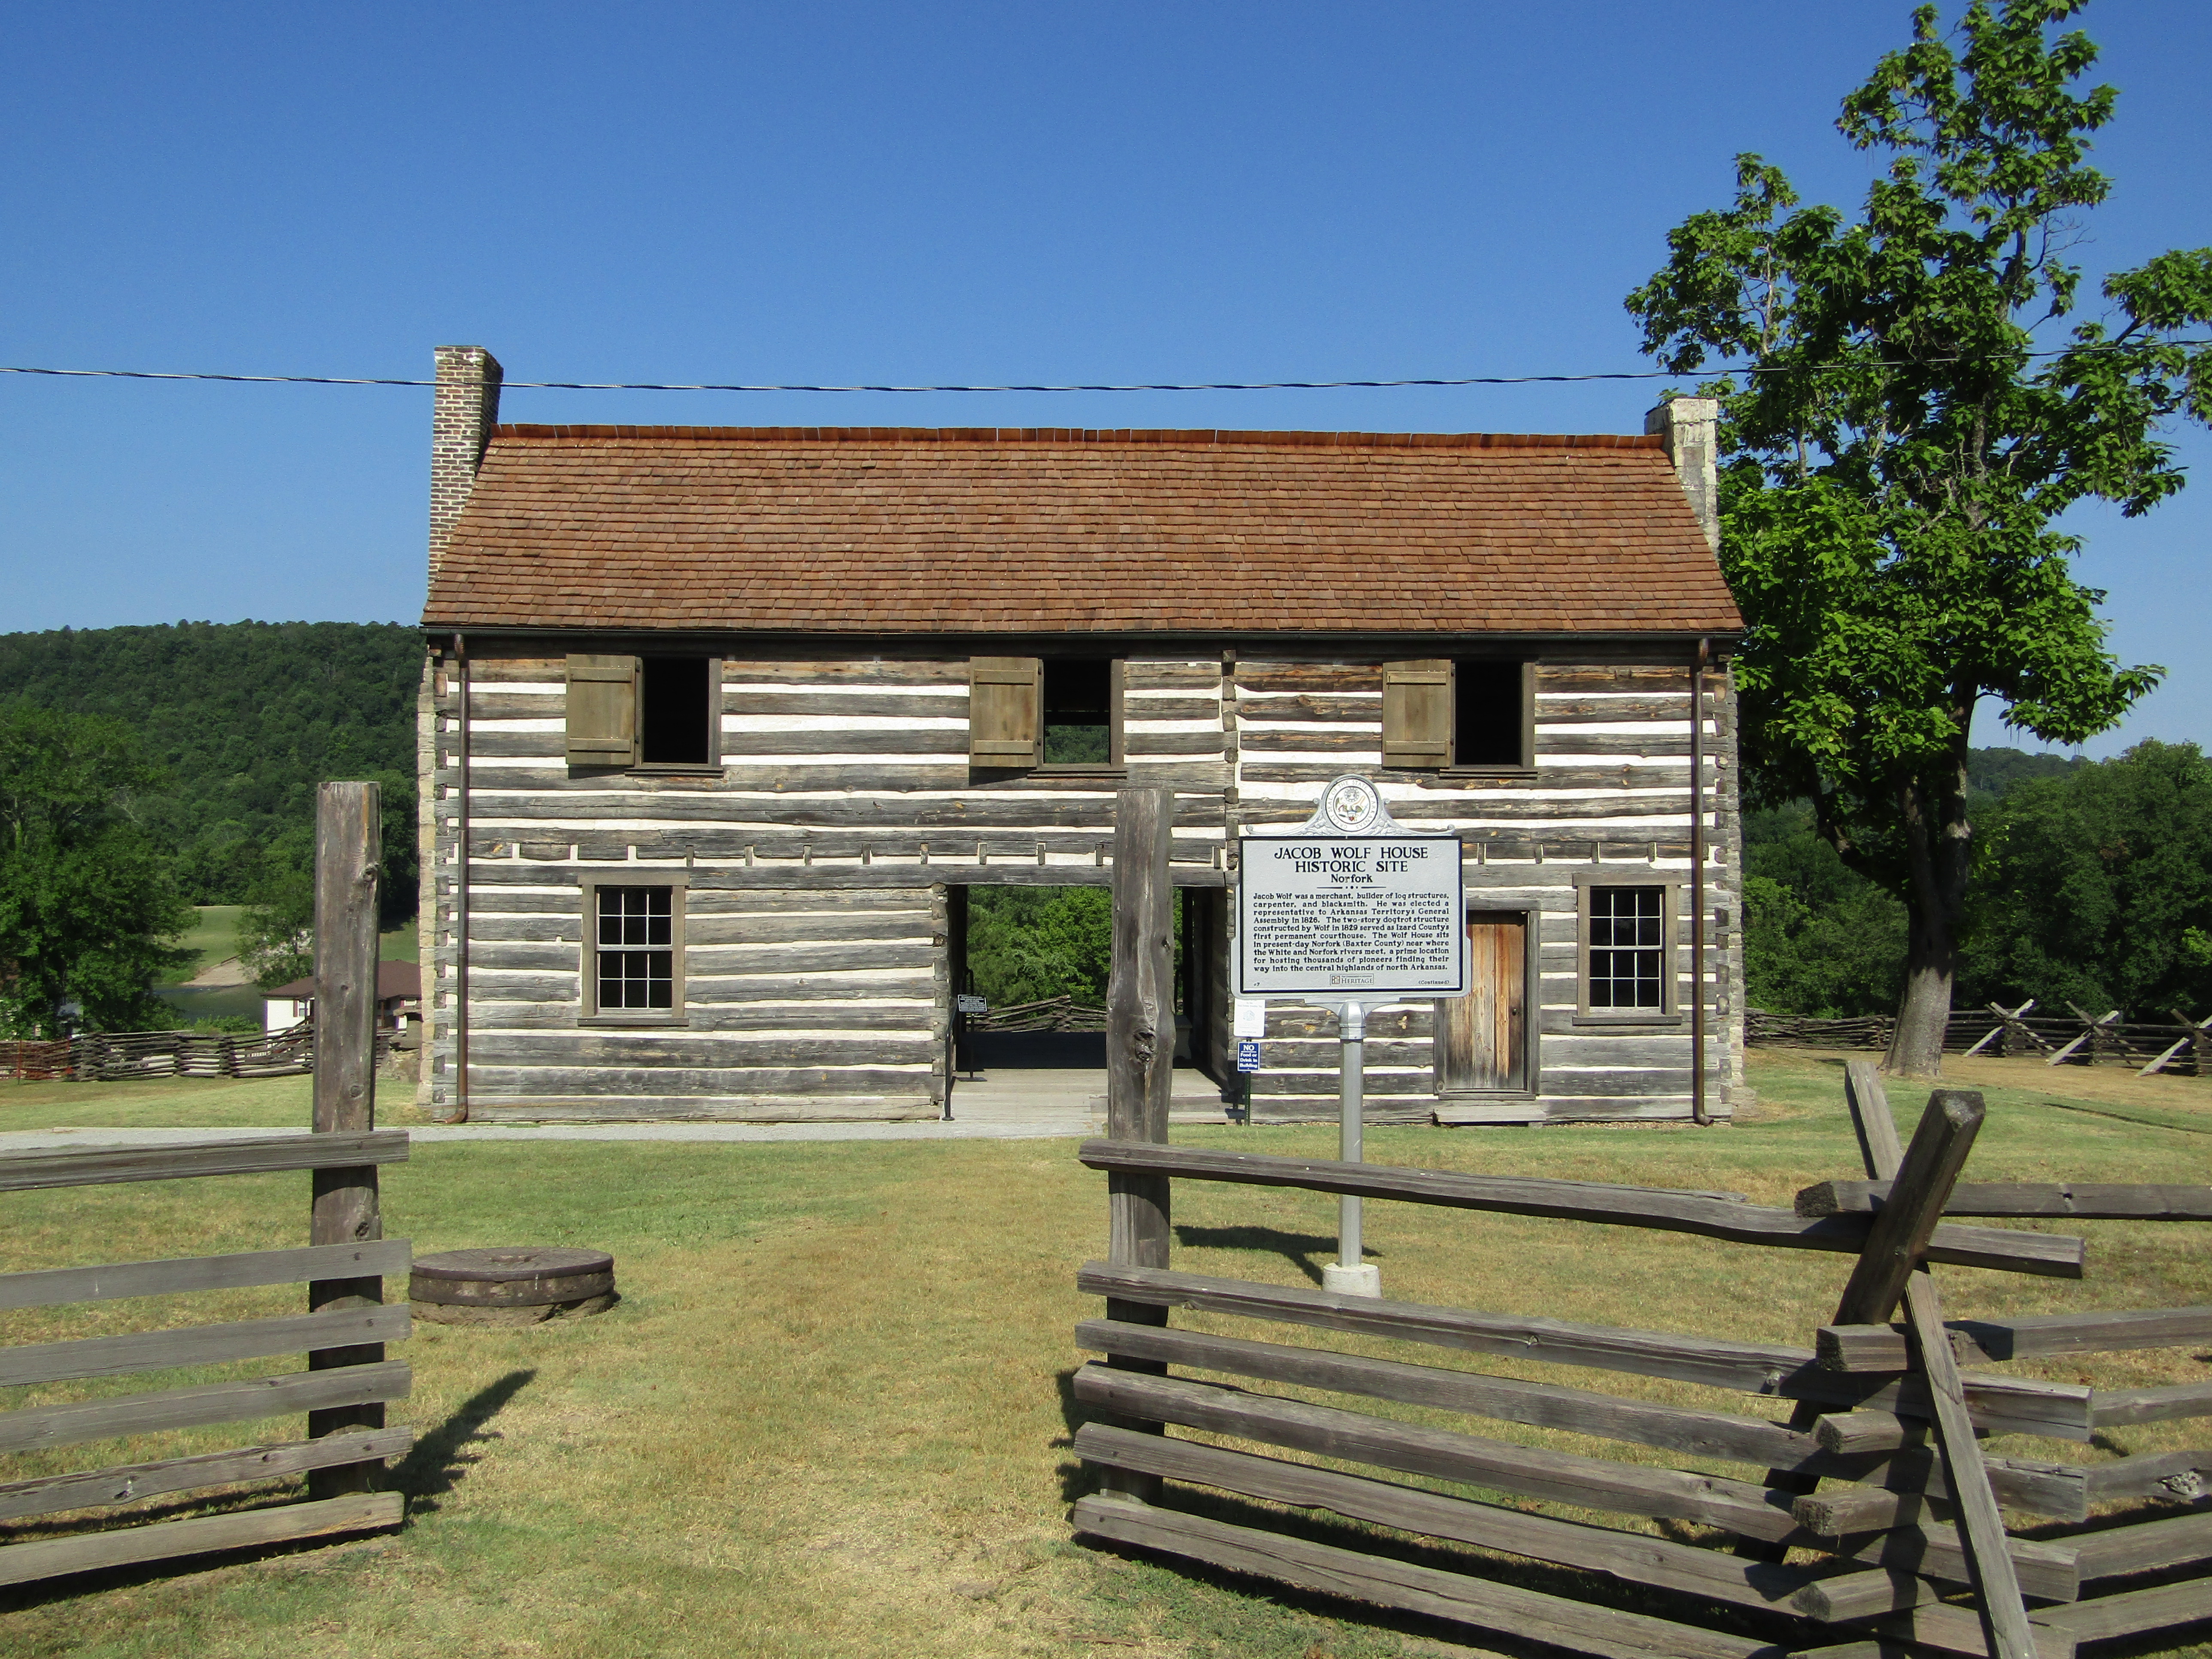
2181, 1046
1910, 1554
116, 1056
1051, 1014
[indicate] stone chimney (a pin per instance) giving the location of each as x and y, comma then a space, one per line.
465, 410
1688, 425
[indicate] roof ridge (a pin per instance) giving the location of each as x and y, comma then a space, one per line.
1081, 436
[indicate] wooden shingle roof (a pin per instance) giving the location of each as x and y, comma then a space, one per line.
984, 531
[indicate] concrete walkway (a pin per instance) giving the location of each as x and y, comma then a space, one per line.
1005, 1104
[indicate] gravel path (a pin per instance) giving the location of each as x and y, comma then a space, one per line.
1008, 1105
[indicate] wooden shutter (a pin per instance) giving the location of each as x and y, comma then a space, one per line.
1005, 711
603, 698
1417, 712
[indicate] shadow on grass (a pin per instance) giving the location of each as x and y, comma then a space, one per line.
2123, 1117
1304, 1251
1077, 1479
441, 1458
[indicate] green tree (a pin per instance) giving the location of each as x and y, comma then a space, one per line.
1025, 943
1819, 937
88, 909
276, 929
2096, 888
1904, 416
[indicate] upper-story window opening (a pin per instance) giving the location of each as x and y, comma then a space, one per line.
1079, 712
1025, 713
1488, 727
644, 711
1444, 713
675, 719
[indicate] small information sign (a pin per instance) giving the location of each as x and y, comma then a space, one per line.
1248, 1054
1251, 1018
1365, 916
969, 1003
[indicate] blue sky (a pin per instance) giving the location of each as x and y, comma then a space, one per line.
894, 193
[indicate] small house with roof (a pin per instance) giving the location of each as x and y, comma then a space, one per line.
721, 727
399, 1000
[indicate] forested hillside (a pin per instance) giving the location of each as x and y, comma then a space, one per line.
2092, 883
243, 721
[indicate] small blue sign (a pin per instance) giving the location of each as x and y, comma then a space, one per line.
1248, 1054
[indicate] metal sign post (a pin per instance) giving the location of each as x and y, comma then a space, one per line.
1348, 910
1350, 1275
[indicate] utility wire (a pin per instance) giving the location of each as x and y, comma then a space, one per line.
1206, 385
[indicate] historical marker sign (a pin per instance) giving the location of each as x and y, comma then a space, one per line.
1324, 916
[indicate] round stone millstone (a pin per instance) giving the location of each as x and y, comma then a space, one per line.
521, 1285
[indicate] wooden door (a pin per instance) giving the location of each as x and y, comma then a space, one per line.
1486, 1032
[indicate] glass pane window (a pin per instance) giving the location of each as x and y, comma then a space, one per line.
1627, 951
636, 952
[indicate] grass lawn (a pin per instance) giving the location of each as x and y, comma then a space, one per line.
212, 936
186, 1103
827, 1418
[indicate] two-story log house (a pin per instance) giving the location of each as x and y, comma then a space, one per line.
720, 726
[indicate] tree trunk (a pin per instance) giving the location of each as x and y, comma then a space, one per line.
1938, 847
1915, 1048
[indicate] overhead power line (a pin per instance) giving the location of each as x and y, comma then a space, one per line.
648, 385
1164, 386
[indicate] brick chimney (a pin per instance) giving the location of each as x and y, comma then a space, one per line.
1686, 424
465, 410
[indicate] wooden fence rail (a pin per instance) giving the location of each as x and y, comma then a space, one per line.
52, 1426
343, 1330
1906, 1525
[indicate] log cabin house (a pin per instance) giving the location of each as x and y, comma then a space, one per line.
720, 728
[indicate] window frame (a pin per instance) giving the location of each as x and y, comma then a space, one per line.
1114, 769
1670, 1013
588, 1012
1526, 766
1449, 769
1117, 762
600, 668
712, 766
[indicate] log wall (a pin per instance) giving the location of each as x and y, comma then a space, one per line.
816, 859
1611, 791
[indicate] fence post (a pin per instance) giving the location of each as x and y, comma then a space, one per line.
1140, 1037
1140, 1019
348, 817
1921, 1178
